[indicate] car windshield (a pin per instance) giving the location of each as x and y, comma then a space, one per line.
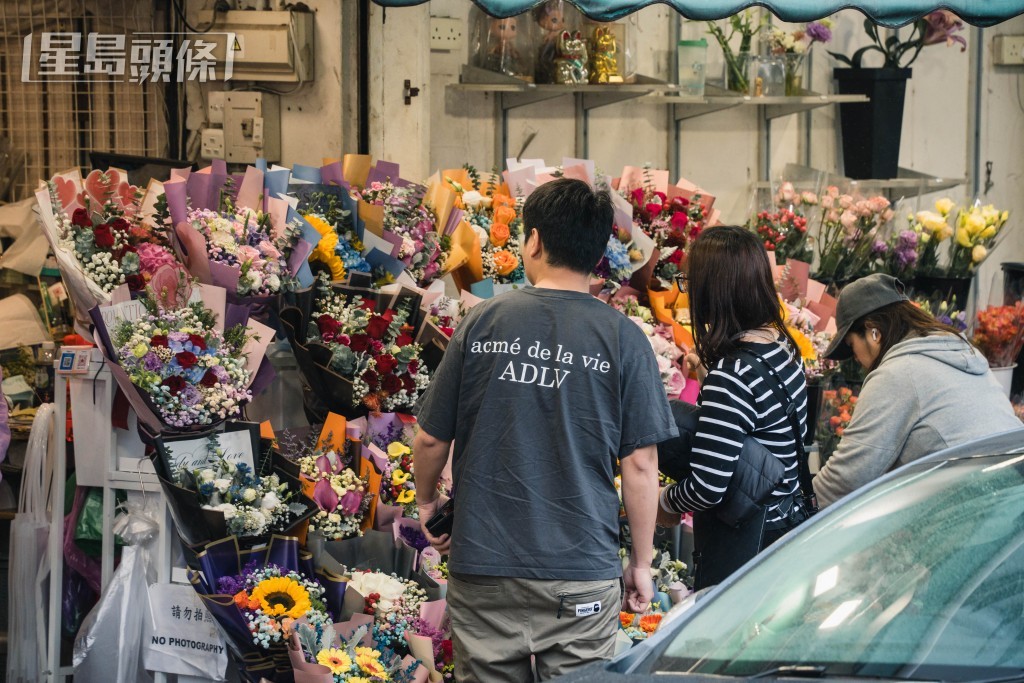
922, 578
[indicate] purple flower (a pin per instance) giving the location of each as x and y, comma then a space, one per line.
879, 247
190, 396
351, 502
221, 373
413, 537
325, 496
818, 32
151, 362
230, 585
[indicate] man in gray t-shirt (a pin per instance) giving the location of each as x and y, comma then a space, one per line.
543, 391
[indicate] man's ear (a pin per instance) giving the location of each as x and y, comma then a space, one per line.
532, 245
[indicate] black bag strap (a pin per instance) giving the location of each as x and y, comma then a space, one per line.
773, 381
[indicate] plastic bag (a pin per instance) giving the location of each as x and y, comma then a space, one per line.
30, 568
109, 646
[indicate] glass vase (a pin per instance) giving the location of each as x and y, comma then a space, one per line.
794, 66
736, 67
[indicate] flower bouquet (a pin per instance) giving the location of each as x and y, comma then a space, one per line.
418, 220
102, 233
850, 235
946, 312
248, 241
666, 352
783, 226
837, 407
979, 229
258, 597
932, 229
228, 483
794, 45
332, 213
331, 476
671, 215
356, 348
184, 358
325, 655
999, 334
497, 221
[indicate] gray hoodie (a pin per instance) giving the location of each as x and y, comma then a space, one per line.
927, 394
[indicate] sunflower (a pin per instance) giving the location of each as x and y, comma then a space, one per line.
369, 663
324, 251
335, 659
281, 596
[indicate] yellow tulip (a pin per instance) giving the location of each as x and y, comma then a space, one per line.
397, 449
1004, 216
990, 214
978, 254
944, 206
946, 233
406, 496
988, 232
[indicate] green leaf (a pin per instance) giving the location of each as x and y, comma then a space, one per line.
841, 58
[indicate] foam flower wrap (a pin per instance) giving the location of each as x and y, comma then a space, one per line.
185, 359
103, 233
238, 233
356, 347
257, 598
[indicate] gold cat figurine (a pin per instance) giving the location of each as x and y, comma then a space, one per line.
604, 68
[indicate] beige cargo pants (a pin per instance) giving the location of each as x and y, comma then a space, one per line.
499, 622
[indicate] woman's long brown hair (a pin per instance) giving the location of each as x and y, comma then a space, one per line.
731, 291
899, 321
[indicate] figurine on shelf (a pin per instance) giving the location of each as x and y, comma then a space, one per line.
501, 54
550, 17
571, 63
604, 68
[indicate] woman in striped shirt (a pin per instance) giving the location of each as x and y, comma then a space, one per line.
733, 306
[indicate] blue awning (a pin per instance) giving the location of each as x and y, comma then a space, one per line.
891, 13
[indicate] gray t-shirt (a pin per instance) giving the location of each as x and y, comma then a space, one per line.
541, 390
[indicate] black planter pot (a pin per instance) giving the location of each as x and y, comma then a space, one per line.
872, 130
942, 289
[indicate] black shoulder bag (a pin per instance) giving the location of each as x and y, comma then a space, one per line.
731, 533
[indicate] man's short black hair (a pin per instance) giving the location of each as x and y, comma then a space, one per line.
574, 222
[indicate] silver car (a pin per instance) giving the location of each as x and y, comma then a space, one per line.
918, 576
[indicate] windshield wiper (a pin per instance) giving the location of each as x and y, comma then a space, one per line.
794, 671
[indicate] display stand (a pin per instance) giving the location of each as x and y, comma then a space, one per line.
114, 476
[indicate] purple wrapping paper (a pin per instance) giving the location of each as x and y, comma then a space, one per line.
224, 275
177, 200
332, 173
454, 218
382, 172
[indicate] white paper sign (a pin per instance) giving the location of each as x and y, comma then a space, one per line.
192, 454
126, 310
181, 635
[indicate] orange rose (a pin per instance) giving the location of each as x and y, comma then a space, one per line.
502, 200
241, 598
504, 214
499, 234
505, 261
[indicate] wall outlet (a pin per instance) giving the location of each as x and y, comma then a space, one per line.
215, 107
447, 34
1008, 50
212, 144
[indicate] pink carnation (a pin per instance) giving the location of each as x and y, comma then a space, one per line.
153, 256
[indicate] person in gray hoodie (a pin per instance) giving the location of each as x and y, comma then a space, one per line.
927, 387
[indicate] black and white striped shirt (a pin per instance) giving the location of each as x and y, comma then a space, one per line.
735, 402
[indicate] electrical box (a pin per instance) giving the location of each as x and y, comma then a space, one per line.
1008, 50
252, 126
264, 45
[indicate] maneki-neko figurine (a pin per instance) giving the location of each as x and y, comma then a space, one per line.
571, 63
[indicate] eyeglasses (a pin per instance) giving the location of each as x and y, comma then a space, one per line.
682, 282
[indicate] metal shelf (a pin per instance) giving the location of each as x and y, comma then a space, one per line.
907, 183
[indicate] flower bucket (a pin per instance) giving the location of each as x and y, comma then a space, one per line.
871, 130
1005, 377
942, 288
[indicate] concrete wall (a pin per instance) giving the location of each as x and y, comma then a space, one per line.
445, 128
